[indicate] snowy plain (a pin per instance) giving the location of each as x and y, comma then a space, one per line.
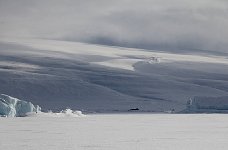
116, 131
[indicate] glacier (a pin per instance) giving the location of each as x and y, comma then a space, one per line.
59, 74
13, 107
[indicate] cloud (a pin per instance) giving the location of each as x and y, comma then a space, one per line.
151, 24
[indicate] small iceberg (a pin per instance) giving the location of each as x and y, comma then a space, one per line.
64, 113
13, 107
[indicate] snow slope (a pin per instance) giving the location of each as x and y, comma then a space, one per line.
116, 132
60, 74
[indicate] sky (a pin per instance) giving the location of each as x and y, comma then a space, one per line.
150, 24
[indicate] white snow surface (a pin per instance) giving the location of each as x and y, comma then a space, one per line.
116, 132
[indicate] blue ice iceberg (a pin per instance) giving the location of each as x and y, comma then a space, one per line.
203, 104
13, 107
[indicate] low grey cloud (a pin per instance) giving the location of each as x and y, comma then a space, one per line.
150, 24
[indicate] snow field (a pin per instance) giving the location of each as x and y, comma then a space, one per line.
116, 131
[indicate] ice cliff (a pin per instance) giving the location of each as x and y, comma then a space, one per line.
13, 107
208, 105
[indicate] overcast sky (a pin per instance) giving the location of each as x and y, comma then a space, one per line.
151, 24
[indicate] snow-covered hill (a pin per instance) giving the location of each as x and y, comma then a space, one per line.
59, 74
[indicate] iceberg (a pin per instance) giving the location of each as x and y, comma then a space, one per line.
13, 107
207, 105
